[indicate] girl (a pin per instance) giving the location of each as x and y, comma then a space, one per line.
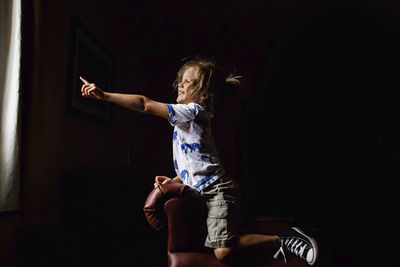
199, 84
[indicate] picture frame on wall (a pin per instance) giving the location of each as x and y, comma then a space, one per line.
89, 59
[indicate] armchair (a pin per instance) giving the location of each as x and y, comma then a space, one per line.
183, 211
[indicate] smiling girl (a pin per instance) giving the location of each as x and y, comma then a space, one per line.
200, 85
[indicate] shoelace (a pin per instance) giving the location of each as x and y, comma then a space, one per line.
295, 246
280, 251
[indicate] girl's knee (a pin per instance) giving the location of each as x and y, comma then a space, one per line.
223, 254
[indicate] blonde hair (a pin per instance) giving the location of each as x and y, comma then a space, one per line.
208, 82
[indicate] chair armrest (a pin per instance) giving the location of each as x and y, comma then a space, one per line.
153, 207
185, 211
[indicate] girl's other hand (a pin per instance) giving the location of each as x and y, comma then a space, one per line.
90, 90
162, 180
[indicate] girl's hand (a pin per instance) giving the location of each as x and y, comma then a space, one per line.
90, 90
162, 180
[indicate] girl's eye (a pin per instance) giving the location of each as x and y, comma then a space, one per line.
186, 81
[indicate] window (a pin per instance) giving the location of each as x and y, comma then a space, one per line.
10, 48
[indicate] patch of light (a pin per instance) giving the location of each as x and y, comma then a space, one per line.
9, 141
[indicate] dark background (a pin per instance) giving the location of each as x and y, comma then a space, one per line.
313, 135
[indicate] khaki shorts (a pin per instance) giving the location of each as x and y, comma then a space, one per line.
224, 216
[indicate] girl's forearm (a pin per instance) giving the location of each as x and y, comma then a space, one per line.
138, 103
129, 101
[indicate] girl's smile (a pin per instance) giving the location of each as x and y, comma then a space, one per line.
184, 86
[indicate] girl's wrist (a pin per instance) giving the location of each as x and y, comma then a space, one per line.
106, 96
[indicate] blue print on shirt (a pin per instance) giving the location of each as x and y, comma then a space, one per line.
183, 175
192, 147
196, 109
175, 135
171, 112
205, 180
176, 165
207, 157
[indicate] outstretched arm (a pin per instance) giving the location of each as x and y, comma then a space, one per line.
138, 103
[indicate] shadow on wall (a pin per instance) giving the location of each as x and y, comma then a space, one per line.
324, 101
102, 224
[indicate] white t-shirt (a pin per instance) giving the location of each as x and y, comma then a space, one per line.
195, 155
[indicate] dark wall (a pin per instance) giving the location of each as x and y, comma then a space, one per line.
312, 135
324, 105
329, 102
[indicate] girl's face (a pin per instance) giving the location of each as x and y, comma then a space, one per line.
184, 85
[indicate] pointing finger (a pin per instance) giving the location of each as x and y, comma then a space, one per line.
83, 80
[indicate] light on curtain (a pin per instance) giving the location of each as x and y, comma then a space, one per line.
10, 49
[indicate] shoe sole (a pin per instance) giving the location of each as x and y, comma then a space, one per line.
313, 242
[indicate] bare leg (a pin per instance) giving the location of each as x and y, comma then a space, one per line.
250, 242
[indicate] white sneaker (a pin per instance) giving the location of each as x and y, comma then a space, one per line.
298, 243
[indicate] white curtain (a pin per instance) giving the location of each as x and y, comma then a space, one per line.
10, 49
